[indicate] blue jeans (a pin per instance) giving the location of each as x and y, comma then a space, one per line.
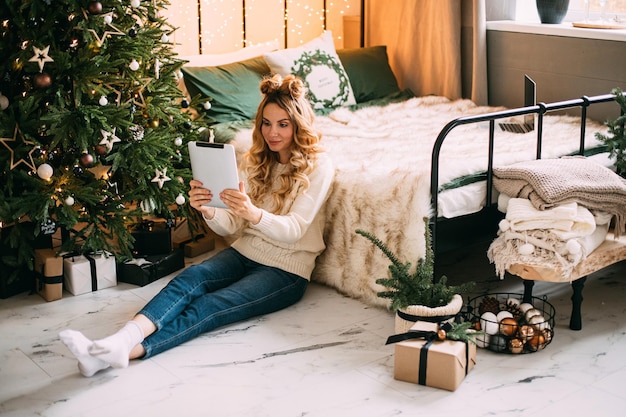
224, 289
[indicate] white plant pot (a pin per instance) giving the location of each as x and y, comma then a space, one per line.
406, 318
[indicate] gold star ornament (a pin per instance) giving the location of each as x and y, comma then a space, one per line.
26, 161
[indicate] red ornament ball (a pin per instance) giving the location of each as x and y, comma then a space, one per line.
95, 7
86, 160
42, 80
101, 150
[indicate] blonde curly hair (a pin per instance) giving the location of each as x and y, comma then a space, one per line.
290, 95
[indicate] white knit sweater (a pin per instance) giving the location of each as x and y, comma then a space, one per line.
290, 241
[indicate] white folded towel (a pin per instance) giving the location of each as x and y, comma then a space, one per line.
568, 220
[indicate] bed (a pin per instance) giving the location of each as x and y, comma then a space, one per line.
382, 142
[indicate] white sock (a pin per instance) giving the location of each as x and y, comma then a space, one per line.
79, 345
115, 349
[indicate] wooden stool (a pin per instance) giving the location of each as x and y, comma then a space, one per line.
609, 252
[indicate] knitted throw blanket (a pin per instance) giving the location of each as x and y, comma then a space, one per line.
548, 182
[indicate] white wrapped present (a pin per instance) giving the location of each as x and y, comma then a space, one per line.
86, 273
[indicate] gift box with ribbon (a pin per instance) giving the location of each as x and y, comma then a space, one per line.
199, 246
48, 270
17, 277
421, 357
86, 273
152, 238
195, 237
143, 271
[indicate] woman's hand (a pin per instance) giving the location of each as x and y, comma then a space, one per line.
239, 203
198, 197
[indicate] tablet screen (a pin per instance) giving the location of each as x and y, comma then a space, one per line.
215, 166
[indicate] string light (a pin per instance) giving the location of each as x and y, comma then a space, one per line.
225, 26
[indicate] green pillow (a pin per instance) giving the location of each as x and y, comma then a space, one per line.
233, 88
369, 72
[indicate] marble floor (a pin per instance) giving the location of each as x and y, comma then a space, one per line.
323, 357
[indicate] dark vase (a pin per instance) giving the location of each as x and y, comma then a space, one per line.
552, 11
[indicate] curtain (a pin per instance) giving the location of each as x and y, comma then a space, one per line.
435, 46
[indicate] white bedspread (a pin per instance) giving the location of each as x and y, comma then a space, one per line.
382, 156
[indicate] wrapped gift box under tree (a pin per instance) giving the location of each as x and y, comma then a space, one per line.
143, 271
86, 273
152, 238
48, 274
15, 275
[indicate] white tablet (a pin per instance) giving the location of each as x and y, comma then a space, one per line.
215, 166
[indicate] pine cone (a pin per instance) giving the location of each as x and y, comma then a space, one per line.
514, 309
488, 304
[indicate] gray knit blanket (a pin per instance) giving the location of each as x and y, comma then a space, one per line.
549, 182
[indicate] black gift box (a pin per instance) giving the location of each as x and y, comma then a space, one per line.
15, 277
14, 280
143, 271
152, 238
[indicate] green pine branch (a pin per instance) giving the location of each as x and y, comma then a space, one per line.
405, 288
615, 140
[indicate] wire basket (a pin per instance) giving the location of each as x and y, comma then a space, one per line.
516, 326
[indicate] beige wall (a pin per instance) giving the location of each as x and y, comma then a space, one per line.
222, 23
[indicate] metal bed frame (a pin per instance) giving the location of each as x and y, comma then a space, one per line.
539, 109
613, 253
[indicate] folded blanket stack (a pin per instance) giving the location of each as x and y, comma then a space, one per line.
559, 212
549, 182
559, 237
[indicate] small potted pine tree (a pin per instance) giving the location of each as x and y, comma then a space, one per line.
415, 294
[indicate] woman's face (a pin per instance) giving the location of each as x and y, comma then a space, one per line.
277, 130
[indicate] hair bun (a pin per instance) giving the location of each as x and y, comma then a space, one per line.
290, 85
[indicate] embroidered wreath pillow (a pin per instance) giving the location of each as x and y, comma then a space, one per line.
317, 64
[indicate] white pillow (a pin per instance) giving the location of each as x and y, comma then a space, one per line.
213, 60
317, 64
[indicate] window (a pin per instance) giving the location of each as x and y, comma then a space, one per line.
614, 11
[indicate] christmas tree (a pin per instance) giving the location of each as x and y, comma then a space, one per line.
93, 129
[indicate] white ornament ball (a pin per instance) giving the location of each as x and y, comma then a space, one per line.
482, 339
489, 323
531, 313
4, 102
134, 65
524, 307
108, 19
502, 314
526, 249
512, 301
207, 105
135, 3
539, 322
147, 206
573, 247
103, 101
178, 141
180, 199
165, 38
69, 201
45, 172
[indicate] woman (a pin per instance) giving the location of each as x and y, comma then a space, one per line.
267, 268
